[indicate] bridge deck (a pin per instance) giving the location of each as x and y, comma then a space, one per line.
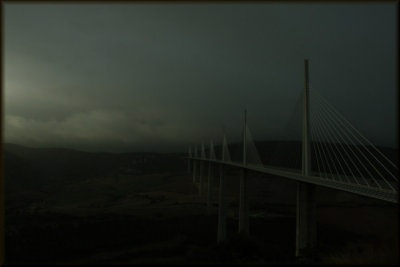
364, 190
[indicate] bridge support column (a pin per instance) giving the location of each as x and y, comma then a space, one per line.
306, 205
243, 198
221, 207
201, 184
306, 227
194, 171
243, 205
210, 186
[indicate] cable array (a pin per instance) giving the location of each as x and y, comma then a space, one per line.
212, 151
252, 155
341, 153
226, 156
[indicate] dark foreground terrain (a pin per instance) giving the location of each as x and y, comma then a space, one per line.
65, 206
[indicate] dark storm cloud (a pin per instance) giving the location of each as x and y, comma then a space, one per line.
162, 76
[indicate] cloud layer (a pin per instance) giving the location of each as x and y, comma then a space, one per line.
120, 77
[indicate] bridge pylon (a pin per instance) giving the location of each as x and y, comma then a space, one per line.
201, 177
194, 165
189, 159
221, 196
210, 178
306, 205
243, 197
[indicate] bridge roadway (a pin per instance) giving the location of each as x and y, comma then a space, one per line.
377, 193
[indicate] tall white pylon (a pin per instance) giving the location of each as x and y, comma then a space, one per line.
243, 198
225, 150
221, 195
306, 205
194, 164
252, 155
212, 151
210, 177
189, 158
203, 157
203, 152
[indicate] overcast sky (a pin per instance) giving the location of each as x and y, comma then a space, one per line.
160, 77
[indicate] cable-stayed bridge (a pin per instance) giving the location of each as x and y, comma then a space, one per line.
334, 154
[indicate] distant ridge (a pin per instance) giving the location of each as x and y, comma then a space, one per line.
24, 164
17, 147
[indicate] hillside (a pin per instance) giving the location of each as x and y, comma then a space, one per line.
80, 207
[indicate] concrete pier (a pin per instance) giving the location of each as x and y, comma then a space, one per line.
194, 171
243, 197
306, 205
210, 186
221, 207
243, 205
201, 183
305, 218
